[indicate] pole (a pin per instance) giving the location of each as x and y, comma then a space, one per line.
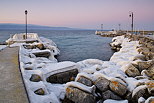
119, 27
101, 27
132, 16
132, 22
26, 21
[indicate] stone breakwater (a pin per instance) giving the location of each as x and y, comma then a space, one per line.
135, 57
127, 77
141, 67
146, 46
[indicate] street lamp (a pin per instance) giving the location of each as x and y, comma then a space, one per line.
132, 16
26, 22
101, 27
119, 26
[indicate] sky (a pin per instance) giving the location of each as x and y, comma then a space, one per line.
88, 14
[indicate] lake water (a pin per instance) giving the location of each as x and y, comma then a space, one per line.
74, 45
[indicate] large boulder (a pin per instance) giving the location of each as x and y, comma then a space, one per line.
84, 80
63, 77
140, 91
151, 71
149, 74
102, 84
143, 50
131, 70
79, 96
145, 64
118, 87
29, 46
40, 46
150, 55
110, 95
150, 86
42, 53
139, 57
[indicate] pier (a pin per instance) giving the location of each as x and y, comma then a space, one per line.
12, 89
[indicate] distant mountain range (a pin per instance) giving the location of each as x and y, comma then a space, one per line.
31, 26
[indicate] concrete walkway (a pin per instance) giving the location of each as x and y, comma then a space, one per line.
11, 85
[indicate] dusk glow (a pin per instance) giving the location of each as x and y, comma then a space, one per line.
80, 13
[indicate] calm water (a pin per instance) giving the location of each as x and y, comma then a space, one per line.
75, 45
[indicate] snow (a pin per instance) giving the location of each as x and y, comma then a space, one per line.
115, 101
41, 66
84, 75
132, 83
57, 89
53, 68
80, 86
113, 70
20, 37
141, 100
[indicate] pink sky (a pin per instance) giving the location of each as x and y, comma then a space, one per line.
80, 13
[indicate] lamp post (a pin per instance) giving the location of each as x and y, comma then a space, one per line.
132, 16
26, 22
101, 27
119, 26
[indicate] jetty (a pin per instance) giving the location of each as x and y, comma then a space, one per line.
12, 89
115, 33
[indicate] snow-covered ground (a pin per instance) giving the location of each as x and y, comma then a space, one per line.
90, 68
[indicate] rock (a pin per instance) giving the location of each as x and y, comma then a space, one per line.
131, 70
63, 77
27, 68
102, 84
42, 53
143, 50
128, 96
28, 46
118, 49
141, 77
66, 100
140, 83
28, 63
78, 96
150, 100
40, 91
150, 55
148, 73
144, 64
110, 95
40, 46
32, 55
85, 81
35, 78
151, 71
150, 86
139, 57
118, 87
140, 91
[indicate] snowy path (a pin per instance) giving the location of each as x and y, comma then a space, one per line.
11, 85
